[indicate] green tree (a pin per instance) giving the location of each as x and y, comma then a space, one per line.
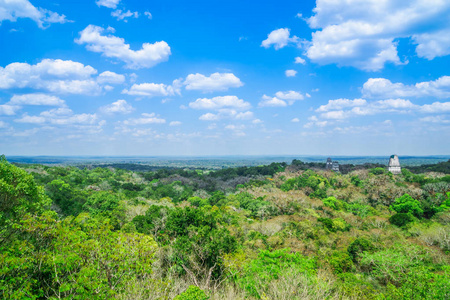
406, 204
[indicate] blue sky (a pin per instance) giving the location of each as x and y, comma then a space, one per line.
325, 77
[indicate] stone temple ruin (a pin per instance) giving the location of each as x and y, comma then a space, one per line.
332, 165
394, 165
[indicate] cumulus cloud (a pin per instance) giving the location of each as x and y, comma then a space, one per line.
62, 116
341, 109
220, 102
279, 38
209, 117
227, 114
154, 89
36, 99
271, 102
175, 123
148, 14
9, 110
290, 73
108, 3
383, 88
55, 75
436, 107
339, 104
146, 118
215, 82
123, 15
435, 119
111, 78
290, 96
11, 10
299, 60
295, 120
120, 106
114, 47
281, 99
362, 34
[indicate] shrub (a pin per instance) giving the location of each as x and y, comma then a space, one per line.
358, 246
341, 262
333, 203
192, 293
407, 204
401, 219
377, 171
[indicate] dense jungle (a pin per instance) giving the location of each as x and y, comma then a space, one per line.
278, 231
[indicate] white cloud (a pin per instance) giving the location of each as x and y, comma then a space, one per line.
120, 106
3, 124
220, 102
8, 110
55, 75
299, 60
335, 115
362, 34
209, 117
111, 78
295, 120
339, 104
215, 82
175, 123
154, 89
290, 96
281, 99
11, 10
31, 119
148, 14
111, 46
227, 114
290, 73
435, 119
108, 3
436, 107
341, 109
123, 15
271, 102
383, 88
145, 119
279, 39
257, 121
431, 45
57, 112
88, 119
61, 116
36, 99
248, 115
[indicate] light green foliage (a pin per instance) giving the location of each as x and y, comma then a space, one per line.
340, 261
78, 258
406, 204
333, 203
192, 293
270, 266
420, 284
393, 265
19, 194
310, 179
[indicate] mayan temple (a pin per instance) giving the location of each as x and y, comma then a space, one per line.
394, 165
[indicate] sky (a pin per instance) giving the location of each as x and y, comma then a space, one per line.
196, 78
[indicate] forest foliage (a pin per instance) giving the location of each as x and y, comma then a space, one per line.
269, 232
